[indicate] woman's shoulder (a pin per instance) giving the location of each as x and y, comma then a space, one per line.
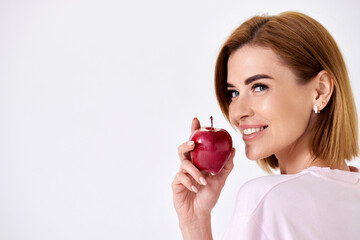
252, 192
309, 183
261, 185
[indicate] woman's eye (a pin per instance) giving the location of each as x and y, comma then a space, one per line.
233, 94
258, 87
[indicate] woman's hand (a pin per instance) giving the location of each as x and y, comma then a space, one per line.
195, 193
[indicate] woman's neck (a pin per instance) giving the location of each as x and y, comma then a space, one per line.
298, 157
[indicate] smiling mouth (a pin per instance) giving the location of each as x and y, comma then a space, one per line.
250, 131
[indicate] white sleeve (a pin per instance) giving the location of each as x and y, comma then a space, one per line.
244, 228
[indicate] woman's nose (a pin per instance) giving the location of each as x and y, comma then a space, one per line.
240, 109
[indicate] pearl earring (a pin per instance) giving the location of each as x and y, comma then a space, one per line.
316, 109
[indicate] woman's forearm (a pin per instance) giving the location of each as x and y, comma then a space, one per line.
199, 229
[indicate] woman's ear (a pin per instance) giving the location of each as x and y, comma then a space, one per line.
324, 87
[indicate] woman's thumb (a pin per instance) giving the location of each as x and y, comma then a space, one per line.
229, 165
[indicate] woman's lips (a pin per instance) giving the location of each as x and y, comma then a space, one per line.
250, 132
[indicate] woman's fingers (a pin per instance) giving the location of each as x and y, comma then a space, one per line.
195, 125
188, 167
184, 149
188, 176
185, 180
229, 165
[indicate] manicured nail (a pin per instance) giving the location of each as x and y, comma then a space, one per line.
203, 181
190, 143
194, 188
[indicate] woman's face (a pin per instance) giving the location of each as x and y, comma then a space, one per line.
271, 110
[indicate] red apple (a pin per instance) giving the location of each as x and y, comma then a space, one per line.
212, 148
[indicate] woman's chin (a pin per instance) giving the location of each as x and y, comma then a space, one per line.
255, 156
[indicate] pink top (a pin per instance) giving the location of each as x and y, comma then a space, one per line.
316, 203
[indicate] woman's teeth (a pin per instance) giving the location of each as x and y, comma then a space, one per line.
252, 130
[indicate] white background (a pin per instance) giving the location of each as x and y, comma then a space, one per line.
95, 97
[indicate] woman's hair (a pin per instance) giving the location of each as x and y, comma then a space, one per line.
306, 47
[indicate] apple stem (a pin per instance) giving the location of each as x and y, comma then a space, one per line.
211, 119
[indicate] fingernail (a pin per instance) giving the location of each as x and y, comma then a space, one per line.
190, 143
195, 118
203, 181
194, 189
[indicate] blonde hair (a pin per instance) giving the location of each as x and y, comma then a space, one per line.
306, 47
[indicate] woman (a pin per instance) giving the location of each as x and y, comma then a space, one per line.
282, 82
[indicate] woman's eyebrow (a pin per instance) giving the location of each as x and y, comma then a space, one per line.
251, 79
256, 77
